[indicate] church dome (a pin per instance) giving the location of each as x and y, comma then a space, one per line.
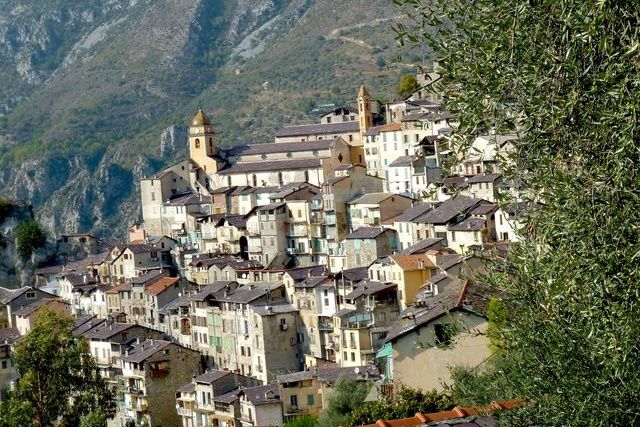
200, 119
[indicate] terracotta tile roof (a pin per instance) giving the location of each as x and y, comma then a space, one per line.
161, 285
122, 287
412, 262
474, 413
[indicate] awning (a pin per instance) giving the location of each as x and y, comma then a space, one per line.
386, 351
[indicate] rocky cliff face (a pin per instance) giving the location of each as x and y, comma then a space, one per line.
95, 94
15, 271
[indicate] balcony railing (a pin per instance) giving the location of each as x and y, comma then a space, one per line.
297, 251
325, 326
329, 220
299, 231
185, 412
315, 204
318, 249
336, 252
371, 220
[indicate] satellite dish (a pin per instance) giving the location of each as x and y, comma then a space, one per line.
356, 370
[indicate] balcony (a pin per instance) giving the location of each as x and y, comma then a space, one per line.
298, 231
371, 220
315, 204
329, 219
325, 326
297, 251
255, 248
209, 235
318, 249
184, 412
158, 373
336, 252
317, 231
331, 233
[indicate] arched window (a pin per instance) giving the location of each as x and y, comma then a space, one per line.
254, 180
306, 176
280, 178
210, 142
197, 143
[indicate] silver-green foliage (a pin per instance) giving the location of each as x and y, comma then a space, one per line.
564, 74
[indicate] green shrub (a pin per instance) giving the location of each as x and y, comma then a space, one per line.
29, 237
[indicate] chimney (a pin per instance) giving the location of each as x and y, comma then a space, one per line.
151, 342
84, 278
421, 264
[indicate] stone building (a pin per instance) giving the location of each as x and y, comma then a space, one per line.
211, 399
8, 370
152, 371
373, 209
261, 406
446, 330
367, 244
307, 392
12, 300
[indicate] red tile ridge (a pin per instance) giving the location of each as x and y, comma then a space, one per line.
457, 412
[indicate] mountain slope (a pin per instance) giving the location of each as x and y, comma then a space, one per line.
91, 86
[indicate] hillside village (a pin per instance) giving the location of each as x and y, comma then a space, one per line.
261, 274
